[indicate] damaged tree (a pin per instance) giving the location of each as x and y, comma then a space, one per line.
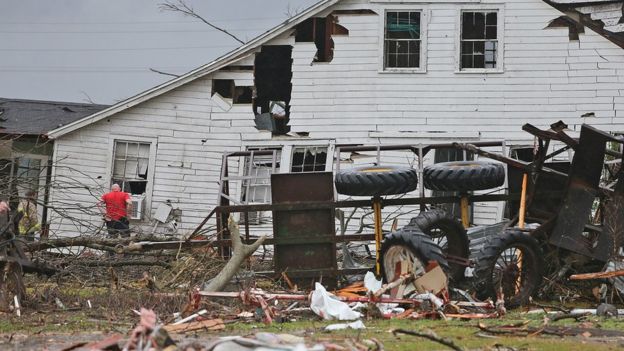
240, 252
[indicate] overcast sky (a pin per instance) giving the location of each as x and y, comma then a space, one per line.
76, 50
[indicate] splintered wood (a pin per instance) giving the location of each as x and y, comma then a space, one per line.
210, 324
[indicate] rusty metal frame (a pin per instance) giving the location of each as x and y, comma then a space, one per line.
536, 169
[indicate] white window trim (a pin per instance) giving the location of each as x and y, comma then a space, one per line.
424, 24
500, 36
147, 210
287, 147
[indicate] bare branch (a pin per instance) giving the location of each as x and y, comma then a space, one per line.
87, 97
187, 10
164, 73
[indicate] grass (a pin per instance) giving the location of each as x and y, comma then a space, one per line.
112, 312
464, 333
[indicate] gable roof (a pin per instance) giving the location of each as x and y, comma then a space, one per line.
211, 67
36, 117
249, 47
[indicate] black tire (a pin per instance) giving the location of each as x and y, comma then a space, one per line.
405, 241
464, 176
376, 181
450, 235
497, 267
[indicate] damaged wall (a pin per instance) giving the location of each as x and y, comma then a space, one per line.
545, 76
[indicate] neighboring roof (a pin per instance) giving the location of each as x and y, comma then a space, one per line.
605, 17
35, 117
211, 67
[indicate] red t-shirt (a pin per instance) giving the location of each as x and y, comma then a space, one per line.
116, 204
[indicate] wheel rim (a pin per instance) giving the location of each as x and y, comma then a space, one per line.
513, 273
439, 236
399, 259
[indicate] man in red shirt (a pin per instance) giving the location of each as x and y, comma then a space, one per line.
117, 204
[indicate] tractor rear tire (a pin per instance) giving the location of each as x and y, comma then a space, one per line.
498, 267
464, 176
376, 181
447, 233
411, 247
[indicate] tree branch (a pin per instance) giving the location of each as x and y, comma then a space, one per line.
187, 10
240, 253
164, 73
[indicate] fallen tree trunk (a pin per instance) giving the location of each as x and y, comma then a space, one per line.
240, 252
86, 241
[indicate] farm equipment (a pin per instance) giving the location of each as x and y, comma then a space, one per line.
574, 210
511, 262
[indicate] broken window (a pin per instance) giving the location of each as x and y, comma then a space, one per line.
130, 166
479, 42
320, 30
402, 39
227, 89
309, 159
256, 185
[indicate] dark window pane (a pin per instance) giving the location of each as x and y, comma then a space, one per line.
414, 58
466, 61
479, 61
415, 18
479, 47
403, 18
402, 60
403, 25
490, 32
467, 20
391, 60
479, 22
473, 25
467, 47
491, 18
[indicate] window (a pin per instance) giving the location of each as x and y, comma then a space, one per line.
256, 185
402, 39
308, 159
479, 42
130, 166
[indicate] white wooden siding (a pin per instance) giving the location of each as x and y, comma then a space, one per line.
546, 78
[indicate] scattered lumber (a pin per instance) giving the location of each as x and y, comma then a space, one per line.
209, 324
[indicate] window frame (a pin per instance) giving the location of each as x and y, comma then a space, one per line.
151, 165
424, 21
500, 37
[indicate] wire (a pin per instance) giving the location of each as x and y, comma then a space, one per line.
146, 31
222, 20
120, 49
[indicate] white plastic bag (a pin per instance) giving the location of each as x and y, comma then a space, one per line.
328, 307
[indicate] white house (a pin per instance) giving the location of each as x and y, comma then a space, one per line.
348, 72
